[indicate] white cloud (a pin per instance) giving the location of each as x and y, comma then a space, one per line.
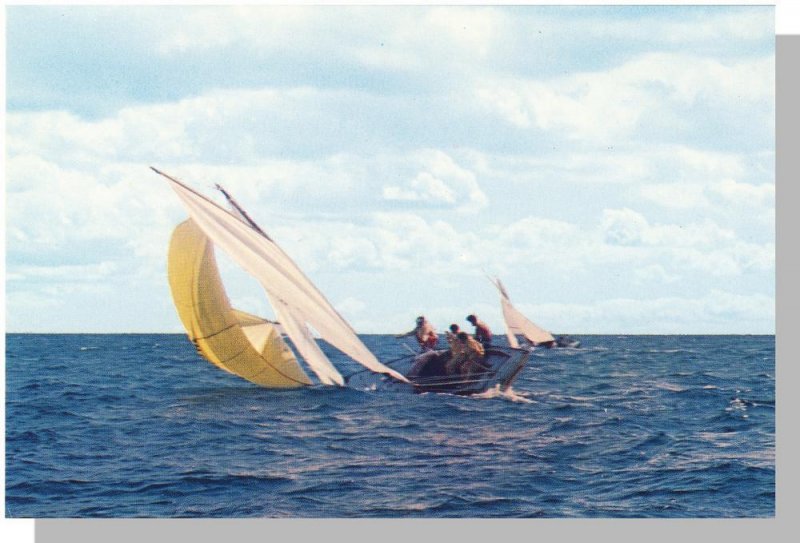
751, 207
732, 192
64, 273
416, 243
441, 181
701, 165
628, 227
388, 241
50, 204
424, 187
717, 312
351, 306
624, 227
210, 28
675, 195
673, 175
714, 263
417, 146
691, 29
402, 38
653, 88
654, 274
688, 78
348, 251
537, 241
757, 257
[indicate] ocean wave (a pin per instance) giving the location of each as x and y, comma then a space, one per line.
509, 394
670, 387
578, 433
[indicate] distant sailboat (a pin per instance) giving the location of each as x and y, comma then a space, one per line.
518, 324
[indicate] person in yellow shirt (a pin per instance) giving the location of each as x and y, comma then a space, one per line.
456, 350
450, 335
467, 355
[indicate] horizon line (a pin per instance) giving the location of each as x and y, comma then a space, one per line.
7, 333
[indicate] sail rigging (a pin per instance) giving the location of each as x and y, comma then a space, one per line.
297, 302
518, 324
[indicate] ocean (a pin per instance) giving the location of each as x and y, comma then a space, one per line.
626, 426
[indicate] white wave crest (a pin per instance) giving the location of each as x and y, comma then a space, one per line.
508, 394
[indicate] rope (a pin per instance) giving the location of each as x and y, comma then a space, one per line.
387, 363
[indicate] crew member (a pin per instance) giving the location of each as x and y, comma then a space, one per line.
425, 334
456, 350
469, 356
482, 332
450, 335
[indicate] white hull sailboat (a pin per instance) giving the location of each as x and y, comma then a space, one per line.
518, 325
253, 348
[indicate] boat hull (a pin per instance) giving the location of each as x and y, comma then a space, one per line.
425, 372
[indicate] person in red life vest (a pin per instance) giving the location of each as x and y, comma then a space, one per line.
425, 334
482, 332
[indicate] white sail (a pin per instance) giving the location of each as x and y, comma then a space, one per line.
519, 324
297, 301
308, 348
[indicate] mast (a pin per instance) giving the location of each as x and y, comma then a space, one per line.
241, 211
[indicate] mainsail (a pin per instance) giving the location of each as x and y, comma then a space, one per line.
297, 302
519, 324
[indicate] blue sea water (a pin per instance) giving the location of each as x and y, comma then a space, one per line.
626, 426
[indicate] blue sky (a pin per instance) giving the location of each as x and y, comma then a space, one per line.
613, 165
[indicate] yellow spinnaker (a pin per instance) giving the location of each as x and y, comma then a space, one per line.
232, 340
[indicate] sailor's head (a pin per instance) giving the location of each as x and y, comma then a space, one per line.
472, 318
462, 336
420, 319
454, 328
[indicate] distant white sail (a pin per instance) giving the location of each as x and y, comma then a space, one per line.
518, 324
297, 302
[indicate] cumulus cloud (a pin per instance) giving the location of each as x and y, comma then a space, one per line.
654, 273
628, 227
351, 306
424, 187
675, 195
66, 273
534, 241
53, 204
402, 150
654, 89
744, 194
720, 197
442, 182
718, 311
624, 227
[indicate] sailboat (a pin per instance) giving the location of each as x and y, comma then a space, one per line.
254, 348
518, 324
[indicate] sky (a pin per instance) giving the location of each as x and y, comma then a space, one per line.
614, 166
